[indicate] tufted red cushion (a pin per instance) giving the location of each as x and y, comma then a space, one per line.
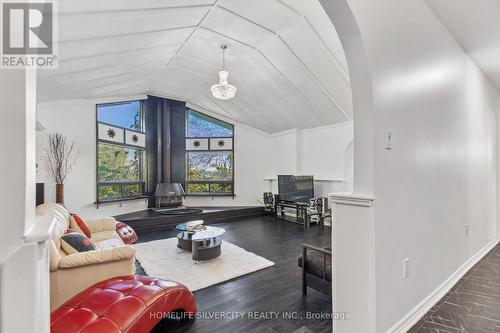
126, 233
127, 304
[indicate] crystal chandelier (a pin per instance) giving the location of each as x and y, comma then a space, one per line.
223, 90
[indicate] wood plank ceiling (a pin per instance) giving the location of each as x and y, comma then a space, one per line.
284, 56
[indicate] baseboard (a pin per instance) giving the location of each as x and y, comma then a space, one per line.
423, 307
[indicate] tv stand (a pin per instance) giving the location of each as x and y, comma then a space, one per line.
302, 213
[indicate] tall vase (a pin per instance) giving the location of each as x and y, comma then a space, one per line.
60, 193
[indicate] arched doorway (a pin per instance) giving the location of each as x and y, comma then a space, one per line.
353, 243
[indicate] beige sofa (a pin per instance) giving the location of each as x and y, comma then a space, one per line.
72, 273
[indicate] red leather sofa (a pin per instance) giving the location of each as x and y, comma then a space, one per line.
130, 304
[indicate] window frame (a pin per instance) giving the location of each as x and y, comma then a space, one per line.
141, 182
209, 182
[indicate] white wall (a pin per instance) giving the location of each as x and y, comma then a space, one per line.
14, 166
24, 274
440, 173
286, 153
497, 151
353, 263
324, 152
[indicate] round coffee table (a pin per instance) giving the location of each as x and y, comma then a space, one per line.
203, 244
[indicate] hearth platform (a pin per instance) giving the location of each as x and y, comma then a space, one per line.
150, 220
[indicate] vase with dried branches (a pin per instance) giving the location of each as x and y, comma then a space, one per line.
60, 157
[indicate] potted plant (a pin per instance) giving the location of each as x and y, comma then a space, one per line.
60, 157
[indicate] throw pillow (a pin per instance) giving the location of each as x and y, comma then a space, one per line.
76, 242
78, 224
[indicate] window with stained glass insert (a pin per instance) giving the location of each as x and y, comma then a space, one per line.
209, 172
120, 166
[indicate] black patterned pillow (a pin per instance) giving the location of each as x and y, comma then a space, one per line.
76, 242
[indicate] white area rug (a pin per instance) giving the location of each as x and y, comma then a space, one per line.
162, 259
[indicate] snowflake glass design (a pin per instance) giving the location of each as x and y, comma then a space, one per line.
221, 143
135, 138
196, 144
111, 133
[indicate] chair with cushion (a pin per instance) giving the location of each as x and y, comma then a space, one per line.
316, 264
72, 273
127, 304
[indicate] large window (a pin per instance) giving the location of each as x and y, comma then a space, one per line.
209, 155
120, 151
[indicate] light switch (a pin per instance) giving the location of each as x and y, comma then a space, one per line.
406, 268
388, 140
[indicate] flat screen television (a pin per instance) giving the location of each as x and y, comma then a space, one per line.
296, 188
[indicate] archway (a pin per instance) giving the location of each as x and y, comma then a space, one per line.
353, 243
345, 23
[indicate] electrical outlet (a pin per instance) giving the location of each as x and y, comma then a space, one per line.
406, 268
466, 230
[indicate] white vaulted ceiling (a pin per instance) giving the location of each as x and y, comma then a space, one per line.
284, 56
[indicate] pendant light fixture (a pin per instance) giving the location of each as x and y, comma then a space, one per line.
223, 90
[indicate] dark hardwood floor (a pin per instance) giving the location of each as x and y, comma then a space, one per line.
275, 289
472, 305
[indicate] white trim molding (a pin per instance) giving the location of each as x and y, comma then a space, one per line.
423, 307
28, 266
353, 241
41, 230
352, 199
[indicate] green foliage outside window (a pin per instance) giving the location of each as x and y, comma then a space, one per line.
108, 191
198, 188
221, 188
210, 166
118, 164
119, 167
208, 172
207, 188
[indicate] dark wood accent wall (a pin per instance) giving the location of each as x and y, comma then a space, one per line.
165, 146
164, 165
178, 143
151, 117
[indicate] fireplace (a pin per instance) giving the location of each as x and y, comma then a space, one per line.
169, 195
